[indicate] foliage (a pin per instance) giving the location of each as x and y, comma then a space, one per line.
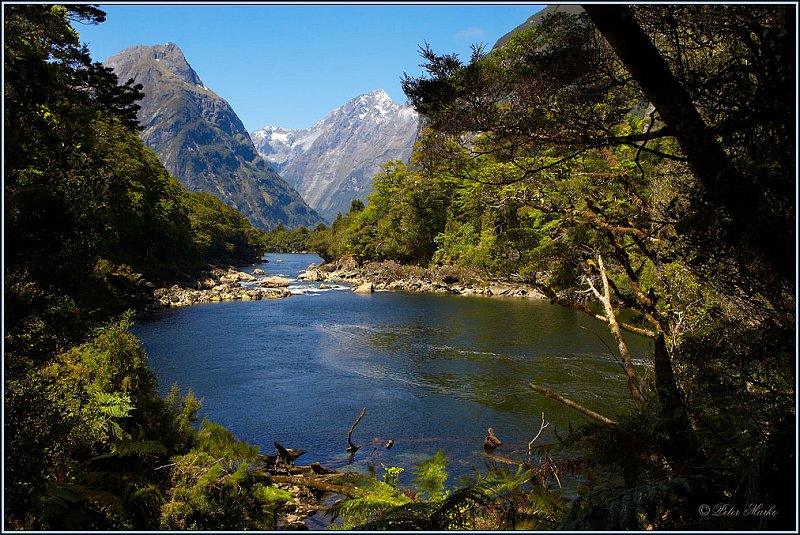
280, 240
546, 155
219, 232
498, 499
90, 216
400, 221
219, 485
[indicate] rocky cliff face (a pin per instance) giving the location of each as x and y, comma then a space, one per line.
202, 142
334, 161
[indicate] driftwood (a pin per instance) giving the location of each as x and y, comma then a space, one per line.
316, 483
491, 441
353, 448
321, 470
569, 403
286, 456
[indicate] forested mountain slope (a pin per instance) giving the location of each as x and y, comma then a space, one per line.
202, 142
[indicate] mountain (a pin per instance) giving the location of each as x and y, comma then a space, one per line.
334, 161
202, 142
536, 18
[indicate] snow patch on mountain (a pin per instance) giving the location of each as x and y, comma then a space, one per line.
333, 162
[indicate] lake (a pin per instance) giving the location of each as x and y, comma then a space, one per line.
434, 371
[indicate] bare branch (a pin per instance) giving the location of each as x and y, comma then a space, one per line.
353, 448
541, 428
569, 403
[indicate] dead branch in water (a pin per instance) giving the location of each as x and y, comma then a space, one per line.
353, 448
541, 428
569, 403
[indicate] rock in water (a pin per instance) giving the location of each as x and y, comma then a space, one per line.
274, 282
366, 288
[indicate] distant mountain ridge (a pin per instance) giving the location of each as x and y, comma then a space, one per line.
334, 161
537, 17
202, 142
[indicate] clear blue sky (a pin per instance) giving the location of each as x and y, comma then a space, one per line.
289, 65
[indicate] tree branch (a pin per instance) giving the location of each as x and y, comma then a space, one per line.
569, 403
353, 448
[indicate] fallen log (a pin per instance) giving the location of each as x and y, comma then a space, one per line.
569, 403
314, 483
321, 470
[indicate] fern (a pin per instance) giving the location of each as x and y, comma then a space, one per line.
134, 448
647, 506
378, 498
430, 477
497, 500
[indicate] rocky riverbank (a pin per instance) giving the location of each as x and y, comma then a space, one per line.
218, 284
389, 275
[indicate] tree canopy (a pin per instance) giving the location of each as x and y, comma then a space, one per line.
643, 157
91, 220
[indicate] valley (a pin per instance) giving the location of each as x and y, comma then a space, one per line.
550, 286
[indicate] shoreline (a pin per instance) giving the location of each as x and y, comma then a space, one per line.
391, 276
230, 283
216, 284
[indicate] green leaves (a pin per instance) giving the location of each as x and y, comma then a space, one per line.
430, 477
219, 485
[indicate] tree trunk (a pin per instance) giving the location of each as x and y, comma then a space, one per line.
648, 67
679, 444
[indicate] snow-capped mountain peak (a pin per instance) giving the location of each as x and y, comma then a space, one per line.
334, 161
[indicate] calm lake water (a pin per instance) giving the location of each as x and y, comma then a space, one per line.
433, 371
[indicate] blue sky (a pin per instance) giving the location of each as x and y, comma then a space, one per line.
289, 65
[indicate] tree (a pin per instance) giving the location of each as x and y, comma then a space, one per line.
89, 212
635, 141
754, 220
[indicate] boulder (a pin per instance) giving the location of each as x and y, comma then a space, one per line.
347, 263
259, 272
205, 283
311, 275
274, 282
366, 288
277, 293
246, 277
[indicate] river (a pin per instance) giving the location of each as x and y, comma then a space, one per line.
433, 371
